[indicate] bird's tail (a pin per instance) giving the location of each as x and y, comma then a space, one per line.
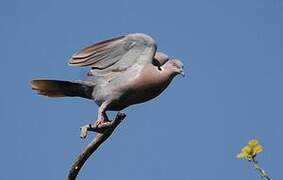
56, 88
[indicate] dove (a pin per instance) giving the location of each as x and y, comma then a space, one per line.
124, 71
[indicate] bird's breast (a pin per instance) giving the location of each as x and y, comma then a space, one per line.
148, 84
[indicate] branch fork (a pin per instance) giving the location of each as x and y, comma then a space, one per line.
103, 132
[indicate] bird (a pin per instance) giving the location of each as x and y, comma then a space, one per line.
124, 71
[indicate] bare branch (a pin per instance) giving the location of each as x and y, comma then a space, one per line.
103, 132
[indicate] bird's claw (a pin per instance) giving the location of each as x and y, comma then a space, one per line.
100, 122
99, 125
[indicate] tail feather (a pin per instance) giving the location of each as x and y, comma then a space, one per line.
56, 88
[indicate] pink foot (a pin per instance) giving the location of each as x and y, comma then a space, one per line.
101, 121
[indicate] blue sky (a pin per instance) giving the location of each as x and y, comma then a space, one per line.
233, 56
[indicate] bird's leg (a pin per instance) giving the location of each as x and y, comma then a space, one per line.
102, 116
106, 117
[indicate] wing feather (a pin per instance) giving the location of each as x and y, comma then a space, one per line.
115, 54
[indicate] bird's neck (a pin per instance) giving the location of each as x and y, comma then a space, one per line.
166, 76
167, 72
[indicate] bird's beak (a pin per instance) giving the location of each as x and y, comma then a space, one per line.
182, 73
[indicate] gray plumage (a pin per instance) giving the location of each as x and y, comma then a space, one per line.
125, 70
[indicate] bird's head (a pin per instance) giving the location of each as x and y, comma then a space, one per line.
175, 67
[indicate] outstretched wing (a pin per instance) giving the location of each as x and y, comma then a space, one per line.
116, 55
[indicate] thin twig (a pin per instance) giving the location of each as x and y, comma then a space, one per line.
261, 171
103, 132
